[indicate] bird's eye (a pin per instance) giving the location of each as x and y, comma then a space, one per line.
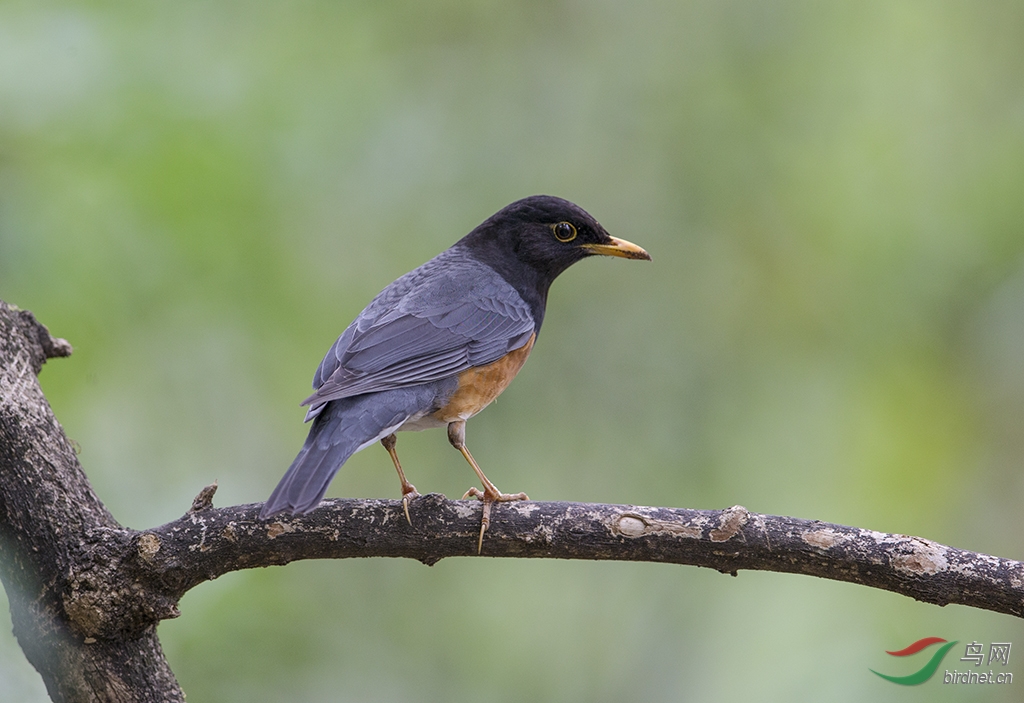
564, 231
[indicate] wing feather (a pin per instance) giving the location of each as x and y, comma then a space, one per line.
444, 317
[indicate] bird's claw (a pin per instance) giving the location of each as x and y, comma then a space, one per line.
489, 499
406, 497
495, 497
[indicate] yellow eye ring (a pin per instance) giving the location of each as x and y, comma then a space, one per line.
564, 231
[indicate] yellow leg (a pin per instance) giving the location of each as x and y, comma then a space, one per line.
408, 490
490, 494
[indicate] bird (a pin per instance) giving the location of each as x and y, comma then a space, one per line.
439, 344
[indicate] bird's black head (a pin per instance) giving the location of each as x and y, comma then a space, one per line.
534, 239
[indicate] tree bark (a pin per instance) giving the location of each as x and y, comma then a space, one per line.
87, 594
75, 613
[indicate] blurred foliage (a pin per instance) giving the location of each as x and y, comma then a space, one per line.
201, 195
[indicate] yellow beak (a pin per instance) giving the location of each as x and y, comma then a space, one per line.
618, 247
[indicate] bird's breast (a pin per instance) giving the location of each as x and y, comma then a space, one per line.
480, 385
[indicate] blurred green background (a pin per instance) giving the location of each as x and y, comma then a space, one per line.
200, 196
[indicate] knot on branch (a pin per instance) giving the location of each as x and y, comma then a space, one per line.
109, 593
38, 341
204, 501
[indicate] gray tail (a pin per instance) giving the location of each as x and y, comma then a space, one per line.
303, 486
338, 432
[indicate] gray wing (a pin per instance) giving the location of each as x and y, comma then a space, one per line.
448, 315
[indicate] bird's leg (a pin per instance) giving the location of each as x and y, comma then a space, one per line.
490, 494
408, 490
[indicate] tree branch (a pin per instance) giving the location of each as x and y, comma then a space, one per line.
86, 593
203, 545
60, 548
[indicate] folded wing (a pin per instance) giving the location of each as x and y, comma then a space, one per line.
448, 315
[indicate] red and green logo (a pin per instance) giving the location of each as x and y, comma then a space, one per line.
926, 671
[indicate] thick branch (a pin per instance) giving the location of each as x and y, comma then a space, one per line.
59, 547
205, 544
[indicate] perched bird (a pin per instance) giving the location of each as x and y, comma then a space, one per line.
439, 344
